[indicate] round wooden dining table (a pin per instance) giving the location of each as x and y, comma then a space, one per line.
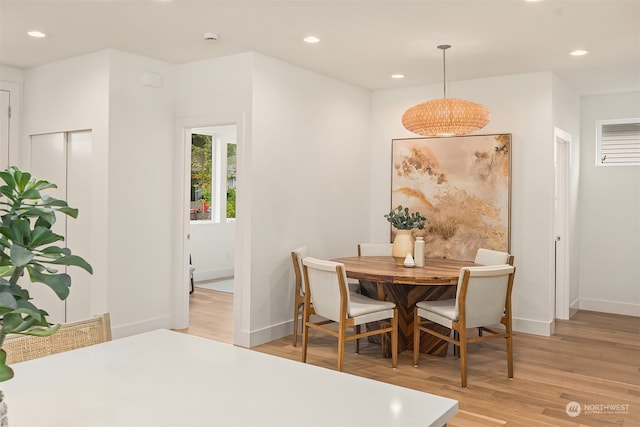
382, 279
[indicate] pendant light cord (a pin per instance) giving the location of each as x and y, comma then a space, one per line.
444, 48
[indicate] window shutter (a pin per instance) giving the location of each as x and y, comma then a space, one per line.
619, 142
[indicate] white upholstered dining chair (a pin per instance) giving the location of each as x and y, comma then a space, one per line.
328, 296
375, 249
491, 257
483, 299
370, 249
297, 255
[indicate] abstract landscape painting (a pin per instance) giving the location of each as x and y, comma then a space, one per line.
462, 185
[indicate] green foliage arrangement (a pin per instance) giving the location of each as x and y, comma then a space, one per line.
27, 244
401, 219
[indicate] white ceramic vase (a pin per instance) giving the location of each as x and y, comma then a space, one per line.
402, 245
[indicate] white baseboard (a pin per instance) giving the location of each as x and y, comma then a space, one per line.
575, 304
275, 332
284, 329
270, 333
535, 327
120, 331
612, 307
241, 338
220, 273
574, 307
529, 326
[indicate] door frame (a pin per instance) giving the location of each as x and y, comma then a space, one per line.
14, 124
561, 229
181, 236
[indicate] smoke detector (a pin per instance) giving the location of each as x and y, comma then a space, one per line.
210, 37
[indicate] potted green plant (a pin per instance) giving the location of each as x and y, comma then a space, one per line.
29, 247
404, 221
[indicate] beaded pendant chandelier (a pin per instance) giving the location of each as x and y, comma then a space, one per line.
446, 116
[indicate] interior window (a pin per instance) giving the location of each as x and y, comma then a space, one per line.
618, 142
213, 174
201, 176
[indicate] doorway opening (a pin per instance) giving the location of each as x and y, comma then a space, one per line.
209, 200
562, 162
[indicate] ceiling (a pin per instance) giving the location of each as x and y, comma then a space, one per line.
362, 42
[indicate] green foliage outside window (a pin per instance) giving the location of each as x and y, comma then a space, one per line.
201, 164
231, 180
202, 187
231, 203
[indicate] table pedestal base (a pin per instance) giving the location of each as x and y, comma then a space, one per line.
405, 297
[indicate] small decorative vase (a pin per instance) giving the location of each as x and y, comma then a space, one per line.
402, 245
409, 262
418, 251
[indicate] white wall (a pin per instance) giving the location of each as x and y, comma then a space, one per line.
521, 105
9, 74
141, 215
309, 181
302, 174
212, 249
609, 216
132, 175
135, 164
67, 96
218, 92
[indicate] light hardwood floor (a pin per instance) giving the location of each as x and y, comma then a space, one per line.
593, 359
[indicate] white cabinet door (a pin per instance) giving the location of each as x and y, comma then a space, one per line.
48, 162
79, 230
65, 160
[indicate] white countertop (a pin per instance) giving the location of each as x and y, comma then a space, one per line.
166, 378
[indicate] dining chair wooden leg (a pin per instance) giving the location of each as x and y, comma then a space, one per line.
358, 330
509, 357
416, 337
463, 356
456, 348
305, 338
296, 315
394, 339
342, 330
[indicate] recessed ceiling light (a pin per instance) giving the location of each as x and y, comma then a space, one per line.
312, 39
397, 76
37, 34
579, 52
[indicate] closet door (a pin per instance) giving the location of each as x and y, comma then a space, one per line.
65, 160
78, 236
48, 161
